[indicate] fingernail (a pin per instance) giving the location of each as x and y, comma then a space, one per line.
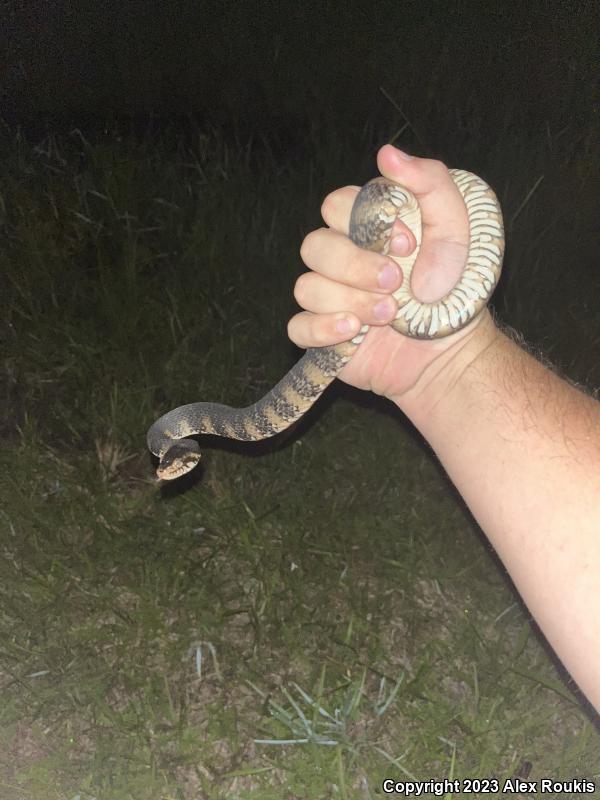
344, 325
389, 275
401, 154
400, 244
384, 308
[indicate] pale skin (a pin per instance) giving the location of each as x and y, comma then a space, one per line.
521, 445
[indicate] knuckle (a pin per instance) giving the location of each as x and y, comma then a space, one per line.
301, 288
327, 205
304, 249
438, 167
307, 248
291, 329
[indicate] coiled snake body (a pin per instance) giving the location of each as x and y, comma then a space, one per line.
377, 206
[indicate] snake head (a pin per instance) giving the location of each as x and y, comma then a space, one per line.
180, 458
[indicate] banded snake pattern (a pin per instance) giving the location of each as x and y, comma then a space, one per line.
376, 207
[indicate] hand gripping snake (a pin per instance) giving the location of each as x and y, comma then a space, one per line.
376, 207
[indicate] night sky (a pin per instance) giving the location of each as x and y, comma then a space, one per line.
283, 64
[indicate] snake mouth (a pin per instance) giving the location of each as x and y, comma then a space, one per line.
176, 462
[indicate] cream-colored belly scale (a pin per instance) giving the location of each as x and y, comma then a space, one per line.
377, 206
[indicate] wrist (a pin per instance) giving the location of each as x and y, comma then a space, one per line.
440, 379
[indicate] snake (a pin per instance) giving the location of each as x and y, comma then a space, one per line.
376, 207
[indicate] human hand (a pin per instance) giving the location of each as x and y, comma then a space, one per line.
350, 284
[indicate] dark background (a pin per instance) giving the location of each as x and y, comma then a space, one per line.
285, 64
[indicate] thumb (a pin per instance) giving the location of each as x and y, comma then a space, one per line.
445, 223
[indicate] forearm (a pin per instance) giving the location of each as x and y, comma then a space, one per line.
523, 448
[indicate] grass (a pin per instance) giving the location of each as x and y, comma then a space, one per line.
301, 618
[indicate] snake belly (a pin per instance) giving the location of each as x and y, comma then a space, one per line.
376, 207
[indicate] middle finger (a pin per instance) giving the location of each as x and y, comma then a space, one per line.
334, 256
